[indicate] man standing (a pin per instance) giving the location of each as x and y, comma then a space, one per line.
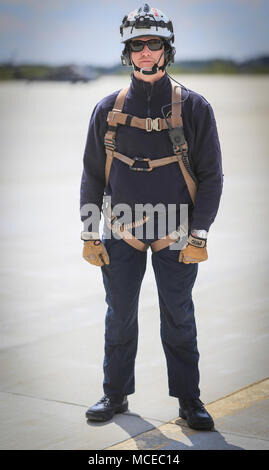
150, 144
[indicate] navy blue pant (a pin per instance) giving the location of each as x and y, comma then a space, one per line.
122, 280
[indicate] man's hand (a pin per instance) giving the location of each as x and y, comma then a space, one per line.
195, 251
94, 251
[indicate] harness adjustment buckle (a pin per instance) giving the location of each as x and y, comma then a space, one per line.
110, 144
153, 124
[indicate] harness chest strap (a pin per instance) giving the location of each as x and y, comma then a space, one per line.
148, 124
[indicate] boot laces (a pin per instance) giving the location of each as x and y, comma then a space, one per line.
105, 400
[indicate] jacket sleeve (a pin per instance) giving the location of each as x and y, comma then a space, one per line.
207, 165
93, 175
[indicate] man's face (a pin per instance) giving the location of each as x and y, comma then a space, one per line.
147, 58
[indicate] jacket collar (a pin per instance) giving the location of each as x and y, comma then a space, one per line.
139, 87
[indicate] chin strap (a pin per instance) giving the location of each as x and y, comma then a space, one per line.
154, 69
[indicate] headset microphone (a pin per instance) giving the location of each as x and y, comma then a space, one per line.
154, 69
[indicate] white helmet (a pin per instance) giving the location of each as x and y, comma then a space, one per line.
146, 21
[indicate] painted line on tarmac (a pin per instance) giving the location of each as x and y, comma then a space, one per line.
177, 429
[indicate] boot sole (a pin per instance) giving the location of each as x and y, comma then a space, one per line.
95, 416
201, 427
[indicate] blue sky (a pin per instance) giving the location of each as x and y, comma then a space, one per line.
87, 31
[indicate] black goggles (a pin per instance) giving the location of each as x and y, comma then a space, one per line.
153, 45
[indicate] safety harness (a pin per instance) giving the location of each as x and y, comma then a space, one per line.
174, 124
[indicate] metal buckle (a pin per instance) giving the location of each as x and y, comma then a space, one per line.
141, 168
148, 124
153, 124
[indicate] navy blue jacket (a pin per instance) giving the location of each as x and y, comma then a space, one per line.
165, 184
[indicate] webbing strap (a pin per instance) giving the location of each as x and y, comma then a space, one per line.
176, 106
162, 243
111, 134
155, 246
123, 232
151, 163
164, 161
177, 121
118, 106
133, 241
148, 124
189, 181
127, 236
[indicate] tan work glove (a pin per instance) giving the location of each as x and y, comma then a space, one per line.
194, 252
94, 251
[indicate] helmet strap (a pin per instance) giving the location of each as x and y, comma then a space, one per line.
154, 69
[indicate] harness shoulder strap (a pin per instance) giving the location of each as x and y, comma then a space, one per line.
176, 117
111, 132
119, 103
184, 161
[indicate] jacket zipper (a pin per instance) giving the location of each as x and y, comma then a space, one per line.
149, 105
149, 98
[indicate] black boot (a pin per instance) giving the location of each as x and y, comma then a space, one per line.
105, 408
196, 415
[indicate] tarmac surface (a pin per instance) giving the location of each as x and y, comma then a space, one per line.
53, 302
241, 423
